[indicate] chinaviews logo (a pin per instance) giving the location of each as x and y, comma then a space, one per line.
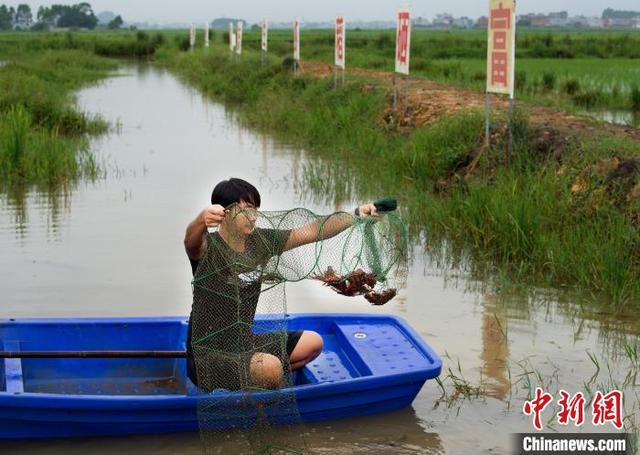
604, 408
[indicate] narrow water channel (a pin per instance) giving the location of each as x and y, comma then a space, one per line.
113, 248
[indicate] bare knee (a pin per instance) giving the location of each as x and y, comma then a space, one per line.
308, 348
266, 371
315, 344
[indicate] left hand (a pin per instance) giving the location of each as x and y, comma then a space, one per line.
368, 210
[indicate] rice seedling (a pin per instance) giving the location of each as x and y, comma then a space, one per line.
635, 98
549, 81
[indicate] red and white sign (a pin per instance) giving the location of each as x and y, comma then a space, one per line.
239, 38
501, 54
264, 34
340, 42
403, 41
296, 40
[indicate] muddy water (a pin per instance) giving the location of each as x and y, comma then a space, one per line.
624, 118
114, 248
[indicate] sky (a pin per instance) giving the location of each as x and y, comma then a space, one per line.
156, 11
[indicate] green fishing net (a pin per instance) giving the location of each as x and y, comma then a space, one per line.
246, 383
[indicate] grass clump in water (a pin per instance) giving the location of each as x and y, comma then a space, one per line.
43, 137
31, 154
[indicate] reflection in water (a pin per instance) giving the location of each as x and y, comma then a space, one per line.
624, 118
53, 202
495, 347
90, 251
398, 432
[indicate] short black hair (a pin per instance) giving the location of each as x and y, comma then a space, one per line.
233, 191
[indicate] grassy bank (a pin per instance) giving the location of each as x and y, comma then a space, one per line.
525, 221
43, 136
573, 70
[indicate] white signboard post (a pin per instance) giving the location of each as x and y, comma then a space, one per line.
340, 47
296, 45
239, 38
264, 39
403, 48
192, 36
206, 34
264, 35
501, 59
232, 38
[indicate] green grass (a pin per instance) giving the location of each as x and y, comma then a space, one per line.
605, 63
43, 137
125, 44
29, 154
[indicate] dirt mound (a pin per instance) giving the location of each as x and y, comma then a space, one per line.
611, 182
422, 101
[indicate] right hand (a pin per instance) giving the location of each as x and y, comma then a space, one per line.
213, 215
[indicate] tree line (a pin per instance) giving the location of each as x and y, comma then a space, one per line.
80, 15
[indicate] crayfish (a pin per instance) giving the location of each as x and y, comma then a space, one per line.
357, 282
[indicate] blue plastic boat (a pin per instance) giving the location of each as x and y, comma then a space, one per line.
370, 364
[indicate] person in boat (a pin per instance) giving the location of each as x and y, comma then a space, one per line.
238, 237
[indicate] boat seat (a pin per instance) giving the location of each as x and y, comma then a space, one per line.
327, 367
381, 349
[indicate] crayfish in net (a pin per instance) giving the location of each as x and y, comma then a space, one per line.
357, 282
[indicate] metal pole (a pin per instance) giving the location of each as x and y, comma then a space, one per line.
90, 354
405, 96
487, 119
511, 102
395, 92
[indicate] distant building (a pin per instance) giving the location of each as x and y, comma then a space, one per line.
443, 20
595, 22
421, 22
579, 21
560, 19
22, 23
482, 22
540, 20
621, 22
462, 22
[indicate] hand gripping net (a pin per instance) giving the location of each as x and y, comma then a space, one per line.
242, 365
